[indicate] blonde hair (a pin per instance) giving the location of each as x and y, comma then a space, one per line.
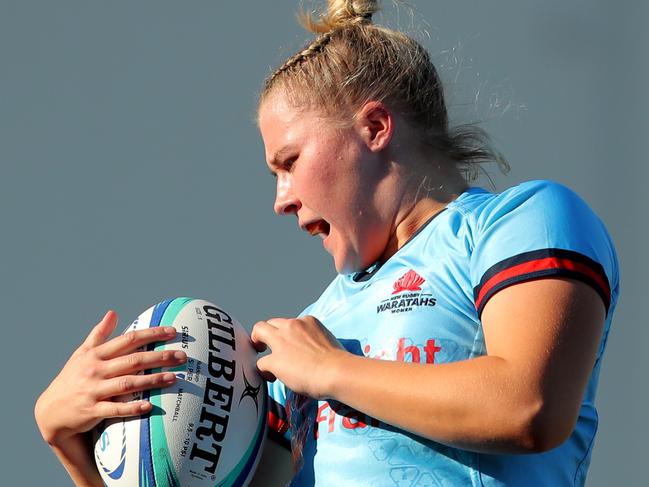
352, 61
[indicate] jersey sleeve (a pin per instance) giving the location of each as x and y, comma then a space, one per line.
278, 424
537, 230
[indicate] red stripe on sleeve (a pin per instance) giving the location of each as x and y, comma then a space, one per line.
542, 265
276, 424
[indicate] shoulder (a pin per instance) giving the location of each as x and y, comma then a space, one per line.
538, 204
538, 229
477, 204
534, 197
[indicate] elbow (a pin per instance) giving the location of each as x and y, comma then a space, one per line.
539, 439
40, 416
544, 427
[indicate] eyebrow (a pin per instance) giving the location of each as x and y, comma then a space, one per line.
278, 156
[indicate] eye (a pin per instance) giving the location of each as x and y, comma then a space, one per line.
283, 165
289, 163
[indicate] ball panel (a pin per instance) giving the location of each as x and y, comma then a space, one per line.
145, 466
148, 472
163, 467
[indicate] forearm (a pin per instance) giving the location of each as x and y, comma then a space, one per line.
75, 455
475, 404
524, 397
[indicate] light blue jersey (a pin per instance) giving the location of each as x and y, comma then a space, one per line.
423, 305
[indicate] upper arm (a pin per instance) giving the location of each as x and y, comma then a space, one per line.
544, 273
548, 332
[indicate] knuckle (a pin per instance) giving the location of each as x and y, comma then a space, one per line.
157, 331
86, 394
125, 384
134, 360
115, 410
254, 332
309, 320
157, 379
91, 355
130, 337
92, 371
89, 411
294, 325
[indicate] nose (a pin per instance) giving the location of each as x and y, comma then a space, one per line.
286, 202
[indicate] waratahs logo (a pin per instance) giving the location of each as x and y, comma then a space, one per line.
406, 295
410, 281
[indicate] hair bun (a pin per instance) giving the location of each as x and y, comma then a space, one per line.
339, 14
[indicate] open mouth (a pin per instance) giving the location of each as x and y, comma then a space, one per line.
319, 227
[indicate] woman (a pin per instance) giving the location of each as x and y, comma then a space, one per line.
465, 328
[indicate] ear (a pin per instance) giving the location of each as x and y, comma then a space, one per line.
375, 124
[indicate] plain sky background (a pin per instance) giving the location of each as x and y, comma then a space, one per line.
132, 171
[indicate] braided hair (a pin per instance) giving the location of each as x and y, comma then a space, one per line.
353, 60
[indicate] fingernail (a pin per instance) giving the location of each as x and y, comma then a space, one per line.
180, 355
168, 377
170, 330
144, 406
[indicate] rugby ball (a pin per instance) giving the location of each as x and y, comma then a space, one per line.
208, 428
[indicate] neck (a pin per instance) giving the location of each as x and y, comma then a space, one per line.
427, 197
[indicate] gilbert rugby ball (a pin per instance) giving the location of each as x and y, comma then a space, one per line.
208, 428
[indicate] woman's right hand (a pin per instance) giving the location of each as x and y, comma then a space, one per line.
101, 369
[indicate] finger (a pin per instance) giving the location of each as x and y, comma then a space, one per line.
132, 340
268, 376
262, 335
259, 346
263, 366
136, 362
277, 322
102, 330
128, 384
110, 409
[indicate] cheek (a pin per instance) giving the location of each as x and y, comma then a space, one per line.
319, 185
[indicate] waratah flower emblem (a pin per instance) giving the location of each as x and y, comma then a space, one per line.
410, 281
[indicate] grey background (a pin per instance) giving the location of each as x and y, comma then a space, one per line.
132, 171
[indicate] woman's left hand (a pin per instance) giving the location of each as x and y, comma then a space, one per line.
303, 353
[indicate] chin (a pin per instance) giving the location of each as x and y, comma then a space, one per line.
344, 266
349, 264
